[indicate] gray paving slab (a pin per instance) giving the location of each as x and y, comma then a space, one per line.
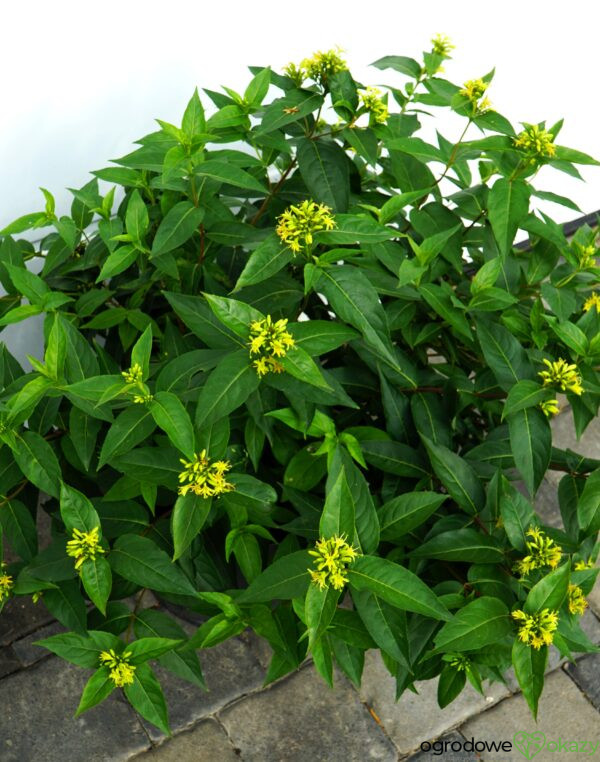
417, 717
300, 719
231, 669
20, 616
27, 653
565, 715
37, 723
586, 673
206, 742
8, 661
449, 747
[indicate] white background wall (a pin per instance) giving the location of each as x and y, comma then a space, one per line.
81, 80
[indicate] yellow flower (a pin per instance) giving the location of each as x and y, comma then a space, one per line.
297, 225
322, 65
583, 565
332, 558
460, 662
134, 374
576, 602
536, 630
442, 45
541, 551
562, 374
474, 89
6, 584
294, 72
536, 142
374, 104
142, 399
586, 256
84, 545
269, 339
549, 408
204, 478
121, 671
593, 300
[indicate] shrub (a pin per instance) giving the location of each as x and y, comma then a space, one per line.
301, 381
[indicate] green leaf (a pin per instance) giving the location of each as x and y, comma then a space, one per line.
73, 648
76, 510
139, 560
228, 386
531, 445
300, 364
529, 665
576, 157
355, 228
550, 591
318, 337
257, 89
97, 688
588, 505
404, 65
319, 608
517, 515
503, 353
193, 122
460, 545
338, 513
524, 394
508, 205
19, 526
136, 217
396, 585
173, 419
457, 476
394, 458
196, 315
97, 581
176, 227
229, 173
234, 314
141, 351
384, 623
482, 622
188, 518
66, 603
324, 169
147, 648
283, 111
117, 262
269, 257
450, 685
146, 697
36, 459
402, 514
284, 579
132, 426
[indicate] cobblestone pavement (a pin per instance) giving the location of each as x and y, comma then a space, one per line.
297, 719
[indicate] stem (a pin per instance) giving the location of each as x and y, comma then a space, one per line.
273, 193
454, 152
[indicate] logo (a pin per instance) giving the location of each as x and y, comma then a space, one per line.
529, 744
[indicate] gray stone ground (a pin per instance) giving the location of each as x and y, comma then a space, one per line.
297, 719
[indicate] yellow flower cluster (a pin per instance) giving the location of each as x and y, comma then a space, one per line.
460, 662
592, 301
269, 340
576, 602
374, 104
583, 565
536, 629
6, 584
142, 399
474, 90
121, 671
536, 142
84, 545
133, 375
550, 408
204, 478
297, 225
541, 551
586, 256
442, 45
563, 375
319, 67
332, 557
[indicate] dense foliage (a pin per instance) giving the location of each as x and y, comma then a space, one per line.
299, 378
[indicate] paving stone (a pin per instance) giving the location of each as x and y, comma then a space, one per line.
301, 719
206, 742
20, 616
28, 653
416, 718
565, 715
230, 670
37, 723
586, 673
8, 661
433, 751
